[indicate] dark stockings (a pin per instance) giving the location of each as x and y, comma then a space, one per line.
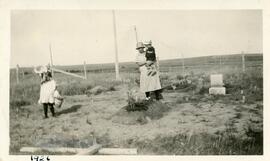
157, 94
147, 94
45, 107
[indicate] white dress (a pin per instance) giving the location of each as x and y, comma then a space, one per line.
147, 83
47, 92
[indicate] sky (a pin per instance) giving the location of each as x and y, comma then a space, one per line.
87, 35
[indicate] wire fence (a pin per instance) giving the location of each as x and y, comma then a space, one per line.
207, 65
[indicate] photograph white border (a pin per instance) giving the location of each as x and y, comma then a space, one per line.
6, 6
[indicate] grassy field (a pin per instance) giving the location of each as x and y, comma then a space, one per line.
192, 123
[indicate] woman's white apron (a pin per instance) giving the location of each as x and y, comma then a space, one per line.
147, 83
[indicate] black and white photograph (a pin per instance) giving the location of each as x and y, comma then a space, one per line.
125, 82
85, 82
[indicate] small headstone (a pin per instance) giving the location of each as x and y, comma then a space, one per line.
216, 80
217, 90
217, 85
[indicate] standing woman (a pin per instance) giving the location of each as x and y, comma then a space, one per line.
47, 89
148, 83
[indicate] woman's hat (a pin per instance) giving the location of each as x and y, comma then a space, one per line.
139, 45
148, 42
40, 69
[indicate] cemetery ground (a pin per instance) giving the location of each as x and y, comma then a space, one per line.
188, 121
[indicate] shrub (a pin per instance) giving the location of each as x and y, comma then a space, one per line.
74, 89
179, 77
19, 102
203, 90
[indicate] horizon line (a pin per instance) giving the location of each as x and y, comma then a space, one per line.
258, 53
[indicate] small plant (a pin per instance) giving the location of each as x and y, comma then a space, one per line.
230, 129
201, 144
135, 104
254, 131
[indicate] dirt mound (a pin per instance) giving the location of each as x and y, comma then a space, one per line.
155, 110
96, 90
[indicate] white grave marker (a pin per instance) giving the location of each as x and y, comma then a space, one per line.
217, 85
216, 80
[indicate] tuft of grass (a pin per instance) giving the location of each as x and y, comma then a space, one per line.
24, 94
19, 102
27, 91
75, 89
156, 110
227, 142
201, 144
251, 82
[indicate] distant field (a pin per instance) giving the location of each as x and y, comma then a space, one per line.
191, 64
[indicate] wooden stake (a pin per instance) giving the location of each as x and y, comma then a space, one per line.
59, 150
90, 151
83, 151
117, 151
116, 49
79, 151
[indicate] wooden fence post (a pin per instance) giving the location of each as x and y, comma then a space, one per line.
220, 66
85, 71
136, 35
243, 62
51, 58
22, 74
17, 74
183, 64
115, 48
